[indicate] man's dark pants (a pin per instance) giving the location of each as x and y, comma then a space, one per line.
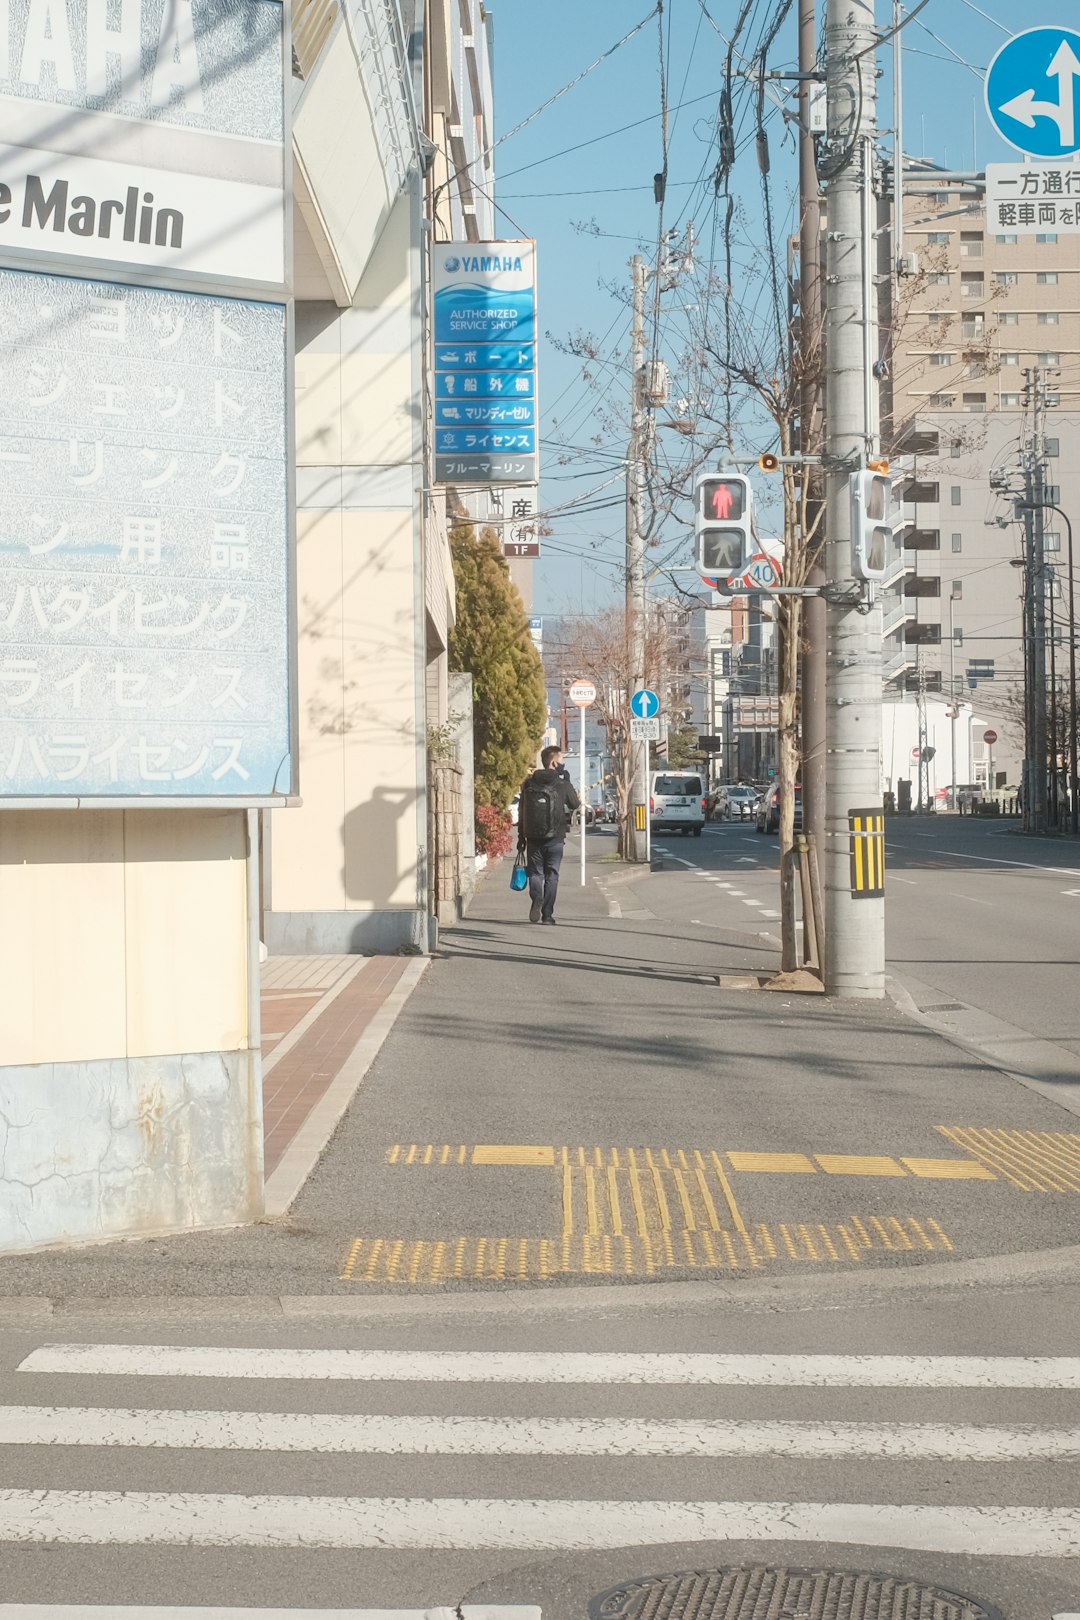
543, 861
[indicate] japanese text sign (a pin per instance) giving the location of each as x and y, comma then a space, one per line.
144, 543
485, 362
1033, 199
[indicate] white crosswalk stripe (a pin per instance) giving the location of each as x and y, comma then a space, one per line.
549, 1514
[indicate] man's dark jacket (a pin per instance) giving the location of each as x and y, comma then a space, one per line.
566, 799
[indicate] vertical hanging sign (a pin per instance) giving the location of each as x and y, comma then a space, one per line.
484, 322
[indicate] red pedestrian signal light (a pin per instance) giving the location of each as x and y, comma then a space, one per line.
722, 500
722, 507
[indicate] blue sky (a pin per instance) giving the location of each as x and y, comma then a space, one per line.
585, 193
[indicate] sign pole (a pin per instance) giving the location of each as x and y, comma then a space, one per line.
648, 804
584, 791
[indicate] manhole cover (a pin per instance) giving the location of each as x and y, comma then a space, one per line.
761, 1593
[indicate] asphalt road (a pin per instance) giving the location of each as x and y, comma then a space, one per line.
541, 1454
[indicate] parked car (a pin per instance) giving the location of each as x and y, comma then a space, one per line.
768, 812
677, 802
736, 802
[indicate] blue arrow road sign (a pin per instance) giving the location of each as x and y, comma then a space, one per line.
1031, 92
644, 704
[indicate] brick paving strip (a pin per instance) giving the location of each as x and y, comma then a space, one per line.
315, 1067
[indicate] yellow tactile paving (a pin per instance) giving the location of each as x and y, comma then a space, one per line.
512, 1259
1033, 1161
511, 1153
949, 1169
790, 1164
858, 1164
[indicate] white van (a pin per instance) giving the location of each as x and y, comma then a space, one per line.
677, 802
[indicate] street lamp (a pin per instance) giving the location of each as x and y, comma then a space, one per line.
1074, 796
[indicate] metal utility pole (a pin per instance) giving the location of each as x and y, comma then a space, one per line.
637, 842
810, 417
1037, 569
855, 958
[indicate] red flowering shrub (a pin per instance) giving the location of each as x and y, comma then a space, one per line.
494, 833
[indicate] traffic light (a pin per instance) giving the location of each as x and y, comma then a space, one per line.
871, 528
722, 504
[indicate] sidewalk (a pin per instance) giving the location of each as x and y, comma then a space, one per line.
323, 1021
592, 1103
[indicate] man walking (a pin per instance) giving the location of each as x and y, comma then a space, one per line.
548, 801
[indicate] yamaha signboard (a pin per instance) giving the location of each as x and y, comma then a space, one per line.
484, 321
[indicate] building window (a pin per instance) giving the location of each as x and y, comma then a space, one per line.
1050, 359
957, 542
922, 635
941, 359
1006, 278
937, 238
1007, 241
973, 326
1049, 317
1009, 359
942, 198
1046, 278
1052, 398
921, 494
1008, 317
922, 540
956, 590
941, 402
1051, 540
956, 450
1046, 236
940, 278
922, 585
1010, 402
971, 244
1053, 447
956, 495
975, 402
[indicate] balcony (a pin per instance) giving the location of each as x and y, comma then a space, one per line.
355, 137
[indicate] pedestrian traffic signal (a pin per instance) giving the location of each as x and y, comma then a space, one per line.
871, 528
722, 507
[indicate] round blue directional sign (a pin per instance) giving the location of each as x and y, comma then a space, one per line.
1033, 92
644, 704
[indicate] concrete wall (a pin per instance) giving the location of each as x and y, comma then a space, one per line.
348, 871
129, 1094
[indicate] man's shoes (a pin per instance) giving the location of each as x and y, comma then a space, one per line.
534, 911
550, 920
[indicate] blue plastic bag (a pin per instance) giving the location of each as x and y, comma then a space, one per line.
519, 877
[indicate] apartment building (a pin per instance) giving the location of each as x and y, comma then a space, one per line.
983, 307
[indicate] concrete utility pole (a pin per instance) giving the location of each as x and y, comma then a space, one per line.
810, 415
1035, 798
637, 846
855, 958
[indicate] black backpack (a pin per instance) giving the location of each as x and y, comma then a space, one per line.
541, 811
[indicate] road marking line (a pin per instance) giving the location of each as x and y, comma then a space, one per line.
148, 1611
858, 1164
995, 860
567, 1198
949, 1169
163, 1518
788, 1163
558, 1367
510, 1153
